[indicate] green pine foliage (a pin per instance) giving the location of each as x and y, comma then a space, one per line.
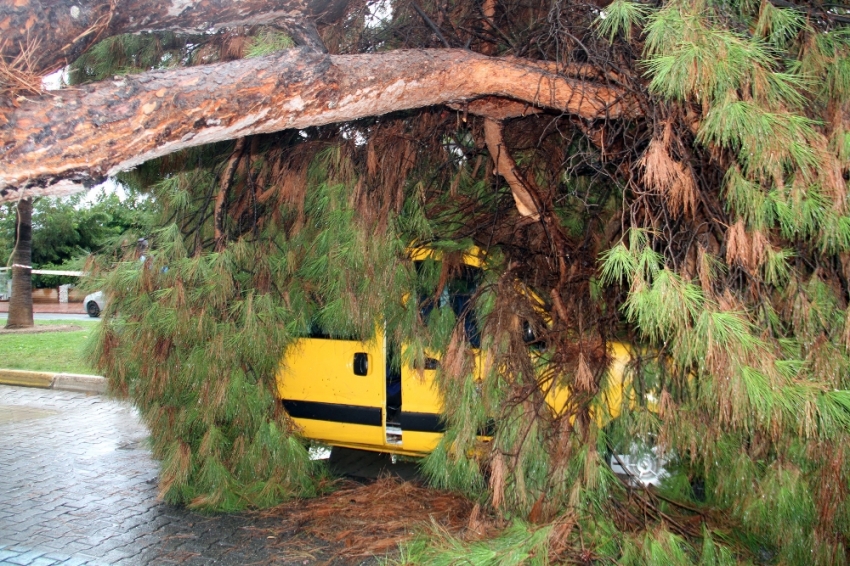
195, 337
710, 238
620, 18
130, 54
519, 544
742, 377
765, 380
268, 42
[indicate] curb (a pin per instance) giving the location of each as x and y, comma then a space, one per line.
47, 380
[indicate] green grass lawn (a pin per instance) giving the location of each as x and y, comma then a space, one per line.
47, 351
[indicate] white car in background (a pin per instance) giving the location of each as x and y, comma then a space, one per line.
94, 303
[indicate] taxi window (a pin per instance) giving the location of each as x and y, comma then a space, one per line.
456, 294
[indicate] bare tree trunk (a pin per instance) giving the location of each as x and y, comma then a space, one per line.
59, 31
54, 144
20, 303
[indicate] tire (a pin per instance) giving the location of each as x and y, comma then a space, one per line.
93, 309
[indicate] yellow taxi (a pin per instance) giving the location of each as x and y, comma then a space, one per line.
345, 392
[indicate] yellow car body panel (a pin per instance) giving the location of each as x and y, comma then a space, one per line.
616, 383
324, 393
335, 399
422, 406
330, 405
474, 256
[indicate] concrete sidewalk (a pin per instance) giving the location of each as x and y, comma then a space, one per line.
48, 380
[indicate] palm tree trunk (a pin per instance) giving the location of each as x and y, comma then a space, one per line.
20, 303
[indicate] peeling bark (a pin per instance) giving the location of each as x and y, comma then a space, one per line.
61, 141
61, 30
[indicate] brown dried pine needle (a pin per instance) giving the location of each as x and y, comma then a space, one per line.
16, 76
370, 520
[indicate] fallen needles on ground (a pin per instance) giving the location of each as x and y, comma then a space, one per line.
372, 519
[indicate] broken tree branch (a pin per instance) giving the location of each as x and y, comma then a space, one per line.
521, 189
224, 187
57, 144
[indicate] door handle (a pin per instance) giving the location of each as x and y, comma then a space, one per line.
361, 363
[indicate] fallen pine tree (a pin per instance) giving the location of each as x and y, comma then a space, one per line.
687, 195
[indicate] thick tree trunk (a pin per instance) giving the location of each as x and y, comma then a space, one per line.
20, 303
56, 143
58, 31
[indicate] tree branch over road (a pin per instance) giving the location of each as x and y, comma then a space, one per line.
56, 143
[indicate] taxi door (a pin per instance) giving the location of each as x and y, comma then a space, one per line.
335, 389
421, 408
421, 422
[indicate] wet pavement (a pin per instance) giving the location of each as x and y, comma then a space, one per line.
78, 487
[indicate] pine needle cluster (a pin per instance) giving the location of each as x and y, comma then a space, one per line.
195, 334
708, 238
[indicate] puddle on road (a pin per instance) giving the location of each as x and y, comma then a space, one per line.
14, 414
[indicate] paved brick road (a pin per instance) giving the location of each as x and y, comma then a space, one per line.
78, 486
